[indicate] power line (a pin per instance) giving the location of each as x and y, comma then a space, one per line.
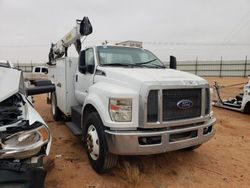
243, 22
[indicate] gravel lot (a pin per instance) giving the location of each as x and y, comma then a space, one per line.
222, 162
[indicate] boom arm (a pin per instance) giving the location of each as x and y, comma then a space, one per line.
83, 28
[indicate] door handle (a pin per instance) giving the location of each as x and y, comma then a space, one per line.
77, 78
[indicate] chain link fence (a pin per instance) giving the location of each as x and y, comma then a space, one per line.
221, 68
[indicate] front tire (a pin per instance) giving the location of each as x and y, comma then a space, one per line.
247, 108
100, 158
57, 114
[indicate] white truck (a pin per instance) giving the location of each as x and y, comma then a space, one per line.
124, 101
38, 73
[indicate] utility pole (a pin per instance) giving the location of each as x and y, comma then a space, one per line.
220, 65
196, 65
245, 69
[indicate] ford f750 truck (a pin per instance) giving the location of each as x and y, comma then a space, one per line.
124, 101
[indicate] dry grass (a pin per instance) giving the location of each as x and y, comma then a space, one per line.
131, 173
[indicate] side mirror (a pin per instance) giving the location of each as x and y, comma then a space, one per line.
172, 62
82, 64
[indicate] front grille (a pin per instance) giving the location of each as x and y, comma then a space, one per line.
172, 97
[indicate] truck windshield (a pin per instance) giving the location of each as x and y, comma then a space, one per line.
126, 56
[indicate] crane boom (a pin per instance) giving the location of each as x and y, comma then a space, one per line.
83, 28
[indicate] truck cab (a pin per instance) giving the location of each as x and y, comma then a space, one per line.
123, 101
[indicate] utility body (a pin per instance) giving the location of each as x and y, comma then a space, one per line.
122, 100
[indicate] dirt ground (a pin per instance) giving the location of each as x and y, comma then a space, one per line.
224, 161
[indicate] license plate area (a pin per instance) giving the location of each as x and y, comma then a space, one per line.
183, 136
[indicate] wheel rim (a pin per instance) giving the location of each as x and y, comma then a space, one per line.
92, 141
53, 104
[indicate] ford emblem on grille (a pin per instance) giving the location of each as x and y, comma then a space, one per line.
184, 104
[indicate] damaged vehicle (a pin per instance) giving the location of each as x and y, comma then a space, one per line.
240, 102
24, 136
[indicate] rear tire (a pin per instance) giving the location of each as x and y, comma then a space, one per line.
100, 158
57, 114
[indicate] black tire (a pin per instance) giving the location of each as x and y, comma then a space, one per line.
57, 114
247, 108
105, 159
191, 148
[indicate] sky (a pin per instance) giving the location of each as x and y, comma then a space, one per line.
207, 29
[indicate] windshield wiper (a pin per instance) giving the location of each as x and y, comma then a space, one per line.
147, 62
117, 64
143, 64
130, 64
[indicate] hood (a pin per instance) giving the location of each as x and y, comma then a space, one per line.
135, 77
9, 82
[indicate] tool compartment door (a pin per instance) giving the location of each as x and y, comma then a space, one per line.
63, 76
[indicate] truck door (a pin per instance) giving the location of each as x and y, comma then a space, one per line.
83, 80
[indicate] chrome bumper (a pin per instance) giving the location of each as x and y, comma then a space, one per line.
127, 142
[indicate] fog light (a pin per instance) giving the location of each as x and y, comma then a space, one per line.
207, 130
149, 140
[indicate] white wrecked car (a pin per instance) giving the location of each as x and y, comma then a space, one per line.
24, 137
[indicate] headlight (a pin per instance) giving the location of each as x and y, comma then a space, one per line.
120, 110
24, 144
